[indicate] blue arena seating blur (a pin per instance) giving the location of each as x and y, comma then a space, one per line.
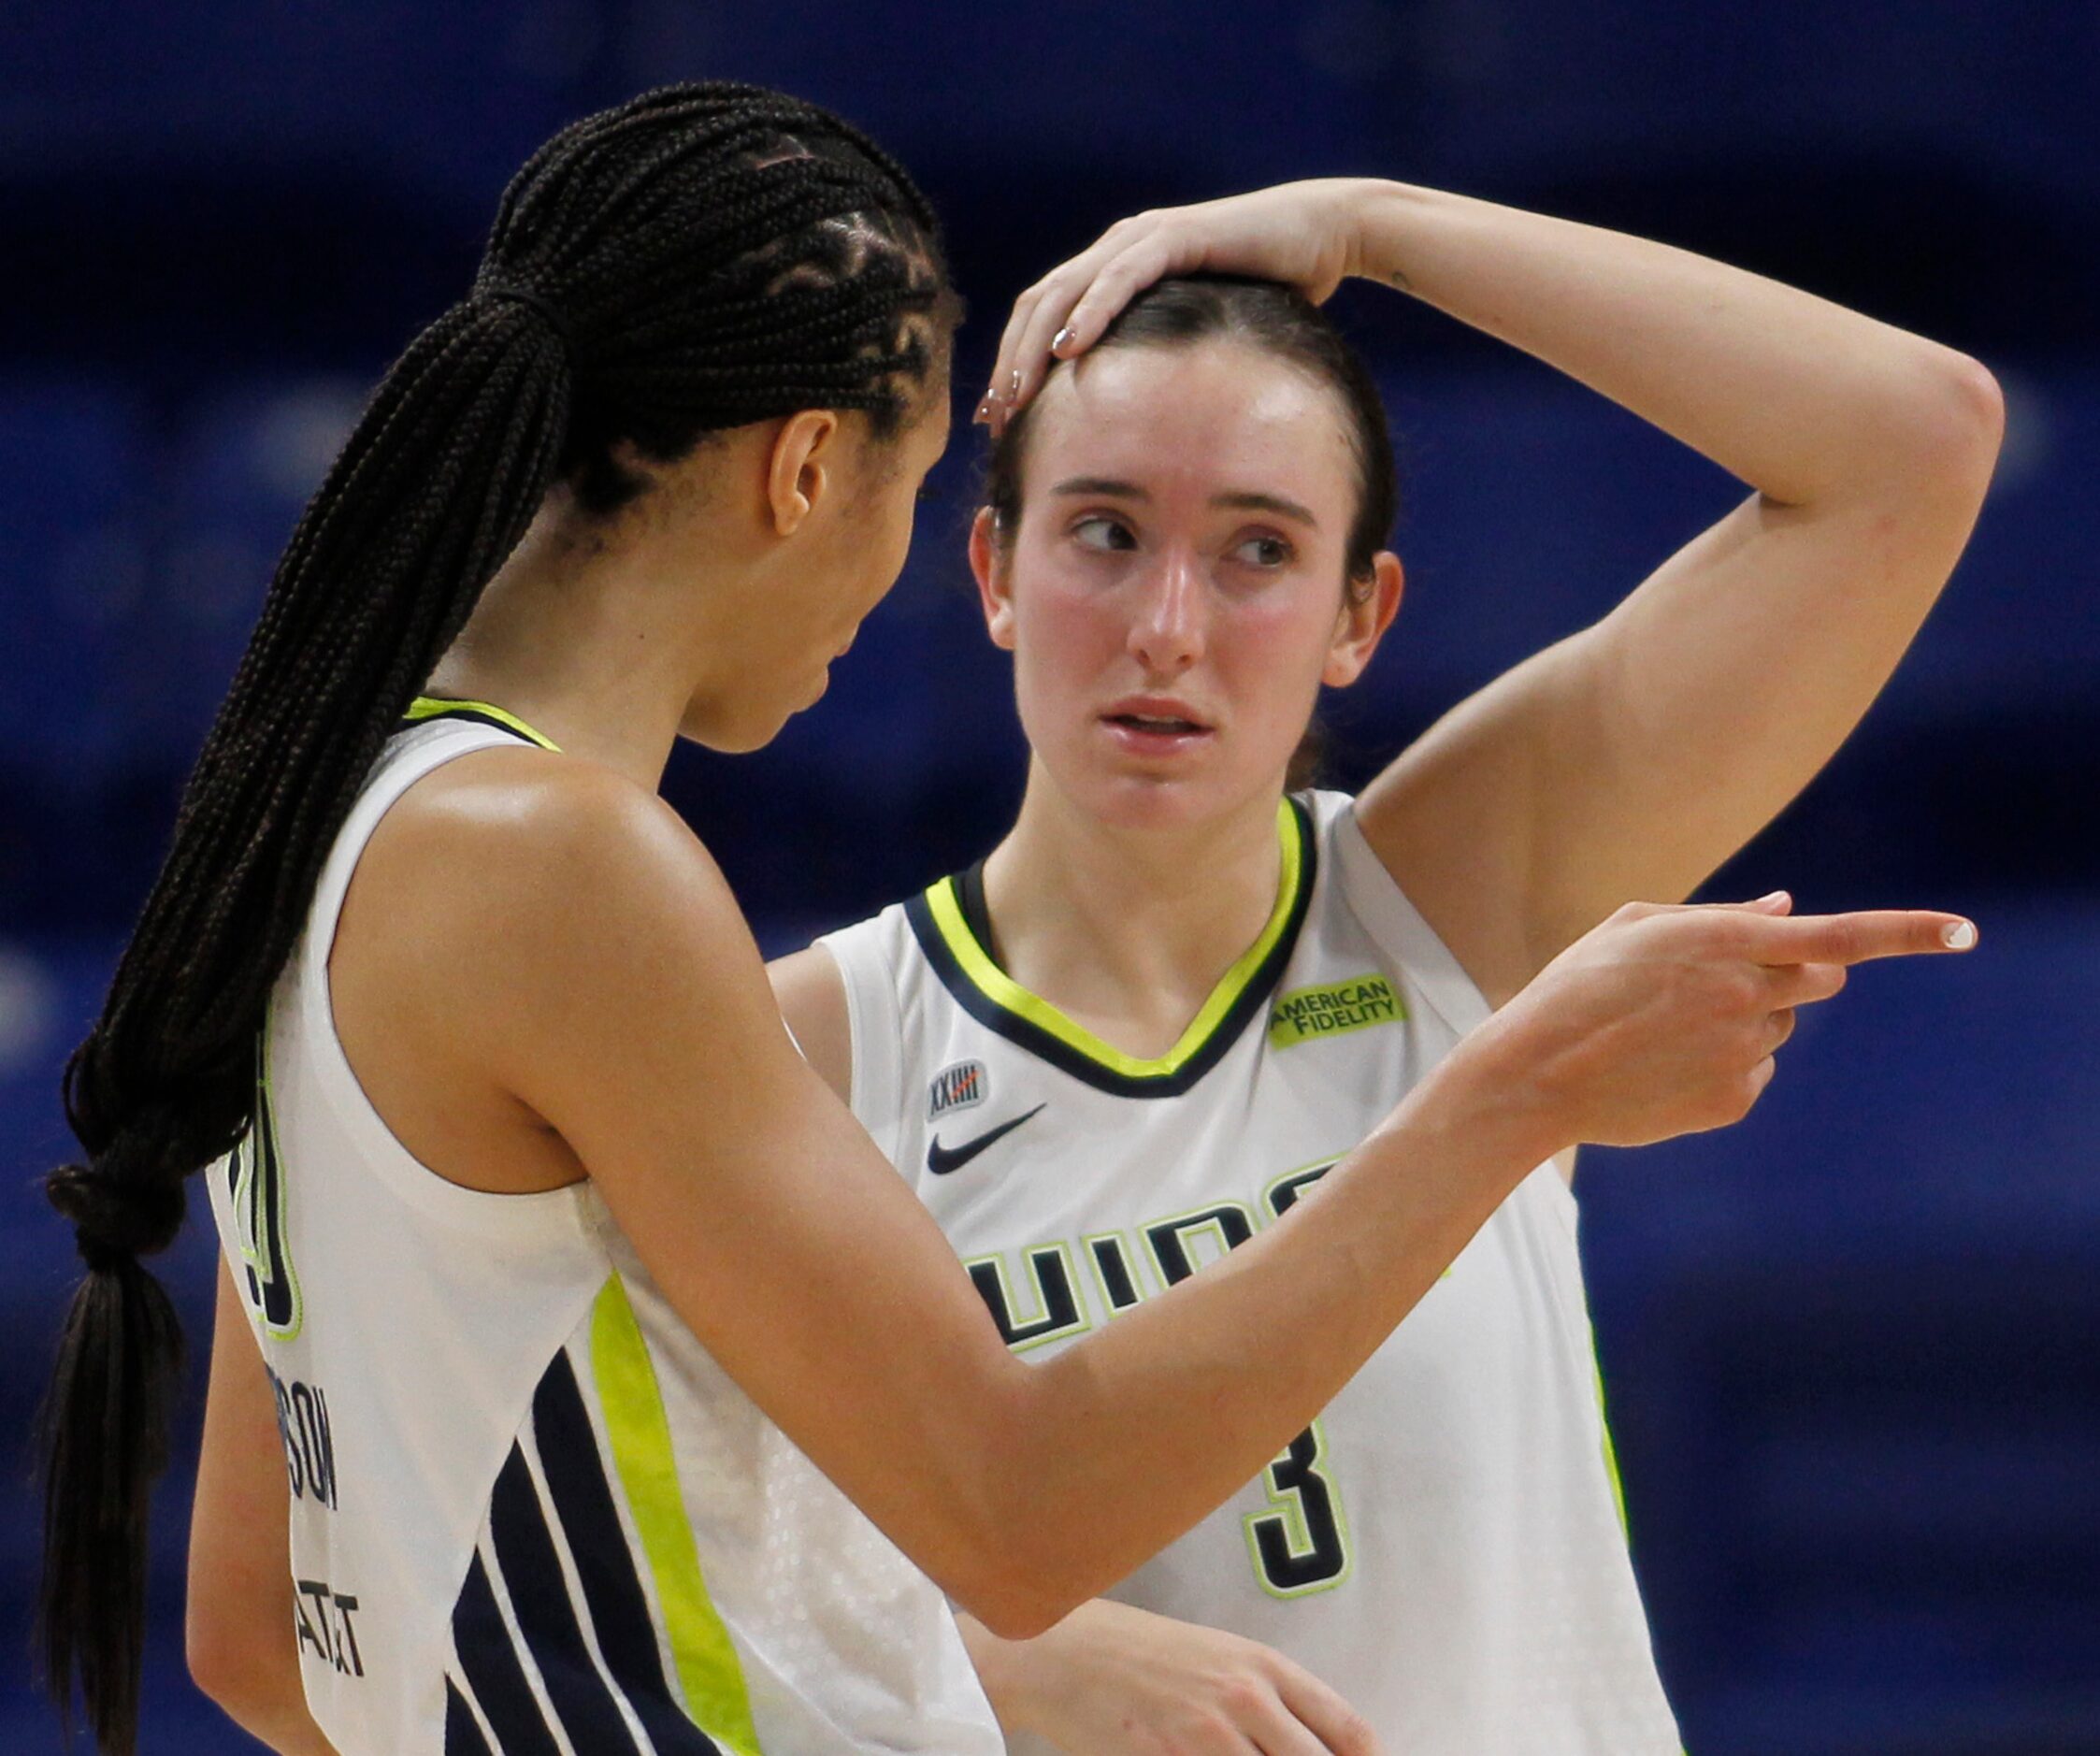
1849, 1360
1848, 1346
244, 464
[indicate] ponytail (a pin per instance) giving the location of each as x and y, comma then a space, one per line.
435, 487
702, 257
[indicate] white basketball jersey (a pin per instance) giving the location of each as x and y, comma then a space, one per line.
529, 1514
1443, 1544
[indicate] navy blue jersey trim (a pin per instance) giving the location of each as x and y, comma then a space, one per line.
463, 1737
493, 1673
582, 1505
546, 1618
1252, 1002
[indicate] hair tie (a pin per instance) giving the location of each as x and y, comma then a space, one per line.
537, 303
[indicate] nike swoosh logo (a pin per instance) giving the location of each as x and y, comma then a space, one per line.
942, 1159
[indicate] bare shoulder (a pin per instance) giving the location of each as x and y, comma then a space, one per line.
565, 912
811, 991
546, 893
543, 861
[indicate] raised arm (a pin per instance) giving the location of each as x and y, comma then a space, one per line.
1634, 758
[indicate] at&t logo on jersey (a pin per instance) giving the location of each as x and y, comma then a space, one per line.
962, 1087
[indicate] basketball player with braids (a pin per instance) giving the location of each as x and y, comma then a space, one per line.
582, 1378
1136, 1038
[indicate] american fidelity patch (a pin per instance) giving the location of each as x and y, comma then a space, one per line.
1356, 1004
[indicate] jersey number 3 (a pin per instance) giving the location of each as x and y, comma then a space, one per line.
1301, 1546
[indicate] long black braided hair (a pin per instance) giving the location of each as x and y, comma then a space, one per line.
702, 257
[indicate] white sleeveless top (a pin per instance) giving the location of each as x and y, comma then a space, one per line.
529, 1514
1443, 1545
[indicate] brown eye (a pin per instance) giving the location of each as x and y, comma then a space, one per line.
1264, 551
1105, 535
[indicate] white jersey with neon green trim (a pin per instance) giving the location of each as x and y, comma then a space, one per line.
529, 1514
1443, 1545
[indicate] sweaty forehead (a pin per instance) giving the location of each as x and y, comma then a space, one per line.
1211, 417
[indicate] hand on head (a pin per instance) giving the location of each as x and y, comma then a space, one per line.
1301, 234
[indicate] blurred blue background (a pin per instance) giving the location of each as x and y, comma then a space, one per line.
1853, 1347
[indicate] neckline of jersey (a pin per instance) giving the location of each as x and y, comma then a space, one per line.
957, 947
425, 708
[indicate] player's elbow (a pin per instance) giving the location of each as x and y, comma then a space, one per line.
218, 1667
1014, 1612
1019, 1592
1022, 1553
1958, 421
238, 1665
1011, 1574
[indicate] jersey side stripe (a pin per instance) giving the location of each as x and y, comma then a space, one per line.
709, 1670
493, 1670
582, 1505
524, 1551
463, 1737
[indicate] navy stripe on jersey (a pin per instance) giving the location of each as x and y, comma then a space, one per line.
582, 1505
463, 1737
524, 1551
492, 1671
1249, 1005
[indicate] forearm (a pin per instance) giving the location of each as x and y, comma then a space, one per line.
1132, 1437
1799, 398
281, 1722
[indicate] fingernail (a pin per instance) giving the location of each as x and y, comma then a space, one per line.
1062, 340
1771, 900
1958, 935
1014, 387
983, 416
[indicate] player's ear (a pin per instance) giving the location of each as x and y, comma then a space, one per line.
995, 578
1367, 608
798, 467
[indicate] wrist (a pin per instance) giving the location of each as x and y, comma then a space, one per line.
1490, 1090
1380, 212
1007, 1670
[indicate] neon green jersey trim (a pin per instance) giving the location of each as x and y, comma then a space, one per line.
709, 1674
1001, 988
431, 706
1611, 1452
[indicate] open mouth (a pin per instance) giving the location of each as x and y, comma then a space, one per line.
1165, 726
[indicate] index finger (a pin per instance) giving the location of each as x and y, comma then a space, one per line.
1857, 937
1036, 318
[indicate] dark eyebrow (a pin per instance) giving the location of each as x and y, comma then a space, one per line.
1109, 487
1267, 503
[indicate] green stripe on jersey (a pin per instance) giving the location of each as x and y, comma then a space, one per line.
709, 1674
436, 707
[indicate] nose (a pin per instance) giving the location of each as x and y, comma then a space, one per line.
1167, 632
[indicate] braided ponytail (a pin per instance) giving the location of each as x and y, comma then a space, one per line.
702, 257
